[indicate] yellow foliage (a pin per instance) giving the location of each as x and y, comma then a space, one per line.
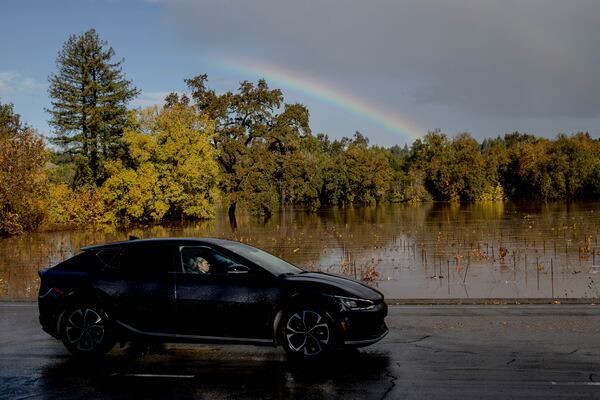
23, 181
85, 206
173, 172
492, 193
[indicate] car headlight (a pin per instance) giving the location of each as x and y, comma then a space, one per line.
353, 303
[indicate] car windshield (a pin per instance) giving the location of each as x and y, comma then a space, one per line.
274, 265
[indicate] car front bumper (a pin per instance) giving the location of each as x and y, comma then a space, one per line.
364, 327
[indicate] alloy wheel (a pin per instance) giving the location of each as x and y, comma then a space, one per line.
85, 329
307, 332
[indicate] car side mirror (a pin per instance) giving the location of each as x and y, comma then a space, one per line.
237, 269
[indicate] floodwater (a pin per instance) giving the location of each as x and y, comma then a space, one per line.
434, 250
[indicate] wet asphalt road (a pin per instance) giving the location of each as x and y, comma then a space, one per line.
541, 351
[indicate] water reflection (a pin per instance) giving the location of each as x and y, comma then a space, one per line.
212, 373
491, 250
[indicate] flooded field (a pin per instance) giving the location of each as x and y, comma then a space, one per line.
493, 250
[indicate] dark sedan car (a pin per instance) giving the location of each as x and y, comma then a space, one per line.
204, 291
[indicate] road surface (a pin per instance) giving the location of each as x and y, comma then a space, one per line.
536, 351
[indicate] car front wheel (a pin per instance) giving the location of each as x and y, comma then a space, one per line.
307, 333
85, 330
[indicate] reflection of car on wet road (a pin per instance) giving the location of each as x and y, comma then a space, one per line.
205, 291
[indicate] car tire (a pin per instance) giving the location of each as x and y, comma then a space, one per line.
86, 331
307, 333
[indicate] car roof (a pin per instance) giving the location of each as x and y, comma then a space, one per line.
180, 241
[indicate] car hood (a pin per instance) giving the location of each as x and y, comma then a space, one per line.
340, 285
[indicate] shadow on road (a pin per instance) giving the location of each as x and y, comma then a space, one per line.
212, 373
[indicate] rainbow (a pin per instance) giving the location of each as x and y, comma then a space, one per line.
326, 93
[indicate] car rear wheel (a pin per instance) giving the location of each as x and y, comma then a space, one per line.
85, 331
307, 333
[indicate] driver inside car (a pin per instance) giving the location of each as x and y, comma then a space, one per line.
197, 265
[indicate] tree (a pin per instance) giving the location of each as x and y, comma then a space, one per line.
468, 174
428, 156
455, 170
290, 130
173, 172
252, 139
369, 173
23, 182
89, 104
575, 157
351, 171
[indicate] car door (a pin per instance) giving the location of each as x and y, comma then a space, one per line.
264, 301
211, 294
140, 279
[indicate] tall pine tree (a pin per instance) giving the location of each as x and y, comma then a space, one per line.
89, 104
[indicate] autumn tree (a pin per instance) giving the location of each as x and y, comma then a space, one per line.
172, 173
468, 176
513, 172
369, 172
577, 157
23, 182
88, 111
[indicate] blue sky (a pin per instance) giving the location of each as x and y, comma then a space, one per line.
34, 32
486, 67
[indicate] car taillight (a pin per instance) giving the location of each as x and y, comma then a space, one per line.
54, 291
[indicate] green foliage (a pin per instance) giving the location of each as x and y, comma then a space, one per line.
253, 140
119, 166
565, 168
89, 105
258, 190
455, 169
23, 183
342, 172
302, 178
369, 173
172, 172
413, 187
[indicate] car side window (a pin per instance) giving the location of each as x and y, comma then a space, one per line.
109, 257
203, 260
146, 259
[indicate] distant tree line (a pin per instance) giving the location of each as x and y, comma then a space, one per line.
246, 148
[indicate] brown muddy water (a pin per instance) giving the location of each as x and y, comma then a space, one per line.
493, 250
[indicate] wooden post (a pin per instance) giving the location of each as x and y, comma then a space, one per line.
448, 276
537, 270
467, 269
552, 275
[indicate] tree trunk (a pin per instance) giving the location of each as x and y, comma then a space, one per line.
231, 212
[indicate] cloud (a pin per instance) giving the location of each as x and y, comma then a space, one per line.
13, 82
526, 58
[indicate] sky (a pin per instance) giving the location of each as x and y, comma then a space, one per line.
391, 69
